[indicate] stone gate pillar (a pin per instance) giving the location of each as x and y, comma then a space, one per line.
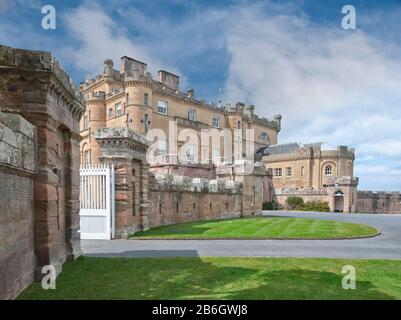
33, 85
126, 150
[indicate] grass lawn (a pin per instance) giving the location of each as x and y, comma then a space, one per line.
259, 227
220, 278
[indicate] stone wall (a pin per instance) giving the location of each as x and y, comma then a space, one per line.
281, 196
379, 202
144, 199
177, 199
340, 194
34, 87
17, 171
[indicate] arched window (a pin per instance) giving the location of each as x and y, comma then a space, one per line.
302, 171
264, 136
328, 170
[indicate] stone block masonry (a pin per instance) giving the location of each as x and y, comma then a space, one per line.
39, 167
17, 172
178, 199
379, 202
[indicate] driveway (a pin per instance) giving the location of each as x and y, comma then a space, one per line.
385, 246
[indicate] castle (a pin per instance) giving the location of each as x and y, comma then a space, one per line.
48, 128
130, 98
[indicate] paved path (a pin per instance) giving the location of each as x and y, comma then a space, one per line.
385, 246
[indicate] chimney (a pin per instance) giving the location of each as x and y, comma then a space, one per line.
108, 68
239, 106
277, 118
169, 79
249, 111
191, 93
133, 68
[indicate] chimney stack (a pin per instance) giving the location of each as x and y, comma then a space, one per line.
169, 79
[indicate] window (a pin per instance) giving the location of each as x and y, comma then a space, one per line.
161, 147
162, 106
146, 99
191, 152
215, 155
278, 172
239, 125
110, 113
216, 122
87, 157
192, 115
288, 171
86, 123
302, 171
328, 170
263, 136
253, 196
119, 109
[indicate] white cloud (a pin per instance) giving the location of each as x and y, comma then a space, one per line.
99, 37
329, 84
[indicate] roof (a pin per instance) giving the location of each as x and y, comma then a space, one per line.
279, 149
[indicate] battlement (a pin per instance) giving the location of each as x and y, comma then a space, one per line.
38, 61
168, 182
379, 194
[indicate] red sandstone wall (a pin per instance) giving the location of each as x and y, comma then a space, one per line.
17, 153
192, 206
16, 234
33, 86
379, 202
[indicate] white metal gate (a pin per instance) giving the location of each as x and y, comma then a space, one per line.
97, 211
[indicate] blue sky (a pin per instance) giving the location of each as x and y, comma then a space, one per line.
289, 57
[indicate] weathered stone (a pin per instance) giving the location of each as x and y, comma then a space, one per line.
38, 146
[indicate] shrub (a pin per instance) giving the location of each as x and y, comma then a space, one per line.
267, 205
295, 202
315, 206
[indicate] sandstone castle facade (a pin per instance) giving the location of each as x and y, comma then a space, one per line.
130, 98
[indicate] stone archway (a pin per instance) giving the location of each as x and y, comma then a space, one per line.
339, 201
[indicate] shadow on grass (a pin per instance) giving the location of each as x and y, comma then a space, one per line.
195, 278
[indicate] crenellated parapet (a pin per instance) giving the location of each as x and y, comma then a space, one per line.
343, 181
175, 183
121, 142
37, 78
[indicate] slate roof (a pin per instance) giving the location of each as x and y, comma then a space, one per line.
279, 149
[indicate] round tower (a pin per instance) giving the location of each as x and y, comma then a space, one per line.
96, 117
138, 105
